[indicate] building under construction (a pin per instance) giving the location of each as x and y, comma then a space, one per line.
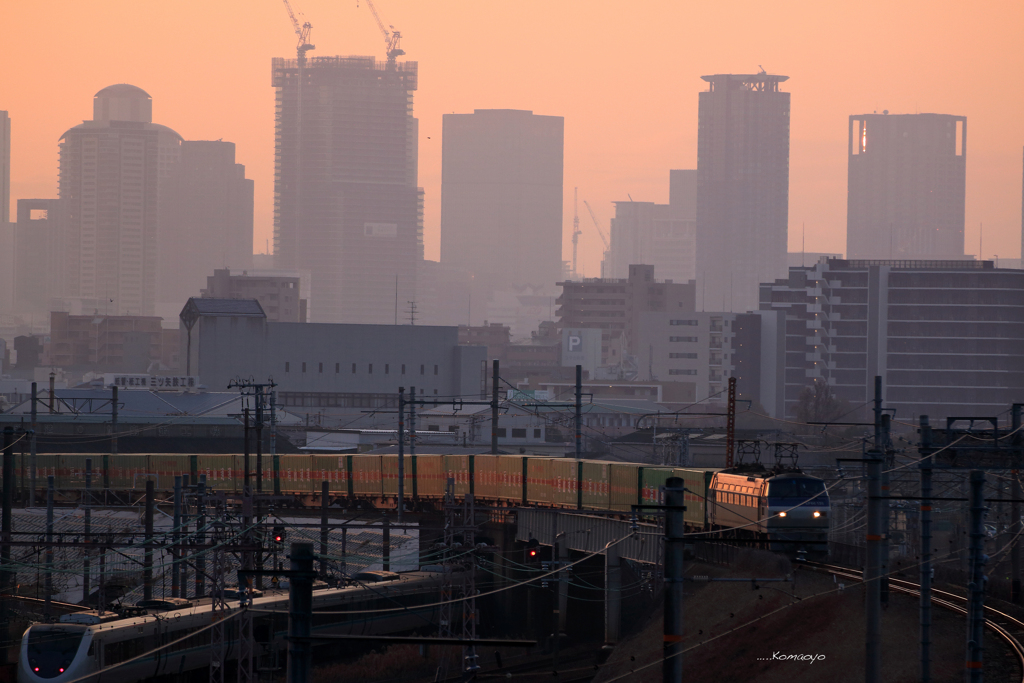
346, 203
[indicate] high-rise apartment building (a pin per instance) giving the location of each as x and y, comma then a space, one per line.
210, 220
742, 188
907, 181
346, 203
501, 196
947, 337
113, 172
6, 229
39, 255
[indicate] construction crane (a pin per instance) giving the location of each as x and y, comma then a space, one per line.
575, 231
302, 31
392, 38
607, 246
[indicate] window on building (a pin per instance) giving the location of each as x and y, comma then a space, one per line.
287, 366
453, 428
371, 368
435, 369
433, 428
387, 368
692, 323
353, 368
321, 368
337, 368
519, 433
501, 432
303, 366
536, 433
403, 368
682, 372
423, 370
682, 339
682, 355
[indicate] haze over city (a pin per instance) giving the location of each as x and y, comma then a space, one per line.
624, 75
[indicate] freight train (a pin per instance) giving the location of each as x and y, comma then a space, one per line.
87, 642
784, 507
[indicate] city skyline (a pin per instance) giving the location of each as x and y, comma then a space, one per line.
611, 149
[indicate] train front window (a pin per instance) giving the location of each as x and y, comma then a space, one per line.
803, 489
52, 649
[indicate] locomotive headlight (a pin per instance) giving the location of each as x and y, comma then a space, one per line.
817, 514
782, 514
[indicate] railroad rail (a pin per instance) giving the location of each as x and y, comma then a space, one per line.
1002, 624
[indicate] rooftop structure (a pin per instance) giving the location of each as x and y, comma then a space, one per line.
278, 296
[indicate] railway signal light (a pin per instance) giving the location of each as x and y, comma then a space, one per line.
532, 550
278, 534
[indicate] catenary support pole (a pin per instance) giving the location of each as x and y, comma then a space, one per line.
976, 587
385, 548
6, 576
612, 596
176, 535
872, 569
48, 592
672, 643
32, 446
494, 407
273, 443
1015, 494
325, 500
259, 439
185, 521
246, 465
300, 613
400, 503
201, 536
87, 531
147, 558
113, 445
884, 511
412, 440
579, 412
926, 551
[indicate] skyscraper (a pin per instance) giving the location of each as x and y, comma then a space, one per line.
209, 223
906, 185
346, 204
501, 196
113, 172
5, 167
742, 188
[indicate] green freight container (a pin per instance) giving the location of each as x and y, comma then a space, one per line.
652, 479
460, 468
220, 471
334, 470
366, 475
164, 466
538, 480
70, 473
697, 483
595, 484
389, 475
430, 476
499, 477
297, 474
625, 487
565, 482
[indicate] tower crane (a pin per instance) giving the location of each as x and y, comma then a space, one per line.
575, 231
302, 31
607, 246
392, 38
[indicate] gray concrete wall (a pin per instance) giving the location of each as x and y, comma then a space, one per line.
336, 357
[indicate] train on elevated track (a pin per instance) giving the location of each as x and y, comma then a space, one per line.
782, 508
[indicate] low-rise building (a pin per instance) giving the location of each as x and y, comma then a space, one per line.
111, 343
280, 296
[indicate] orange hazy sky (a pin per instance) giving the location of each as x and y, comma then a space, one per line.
625, 75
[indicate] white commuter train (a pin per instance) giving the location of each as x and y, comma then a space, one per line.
86, 643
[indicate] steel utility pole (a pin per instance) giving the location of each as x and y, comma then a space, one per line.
730, 425
672, 648
401, 451
1015, 525
926, 550
32, 451
494, 408
976, 588
300, 613
579, 412
873, 567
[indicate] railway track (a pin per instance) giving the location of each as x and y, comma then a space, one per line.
1007, 627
